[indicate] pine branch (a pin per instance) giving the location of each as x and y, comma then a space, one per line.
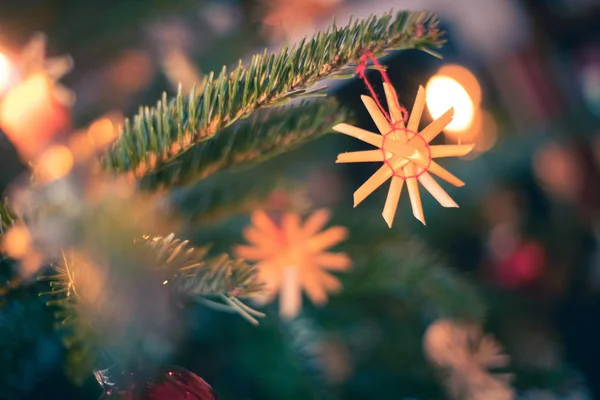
159, 134
410, 272
266, 134
190, 272
196, 275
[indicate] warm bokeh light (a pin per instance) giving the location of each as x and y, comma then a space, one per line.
31, 117
7, 73
442, 93
131, 71
102, 132
558, 171
18, 102
55, 163
16, 243
503, 240
455, 86
483, 134
466, 79
80, 146
488, 133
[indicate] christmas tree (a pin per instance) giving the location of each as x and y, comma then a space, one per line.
232, 231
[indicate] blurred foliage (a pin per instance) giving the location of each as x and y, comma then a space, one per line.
29, 346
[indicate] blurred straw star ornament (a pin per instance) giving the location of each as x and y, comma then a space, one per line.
292, 257
32, 60
467, 356
405, 153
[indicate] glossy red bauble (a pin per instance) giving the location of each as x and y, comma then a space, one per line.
173, 383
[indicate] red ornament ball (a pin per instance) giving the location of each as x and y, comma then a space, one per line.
173, 383
523, 267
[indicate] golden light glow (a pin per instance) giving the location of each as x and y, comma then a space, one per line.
6, 72
102, 132
466, 79
483, 134
16, 243
81, 148
488, 133
443, 93
32, 61
557, 169
456, 86
31, 117
55, 163
29, 96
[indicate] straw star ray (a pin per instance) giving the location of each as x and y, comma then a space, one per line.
406, 155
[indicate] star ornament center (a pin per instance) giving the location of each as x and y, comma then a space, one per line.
392, 148
405, 154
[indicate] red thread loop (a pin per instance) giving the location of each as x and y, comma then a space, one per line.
396, 127
361, 71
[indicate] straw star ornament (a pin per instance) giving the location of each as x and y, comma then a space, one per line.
468, 357
405, 153
292, 257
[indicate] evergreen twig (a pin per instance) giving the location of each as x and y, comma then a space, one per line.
417, 277
195, 275
159, 134
266, 134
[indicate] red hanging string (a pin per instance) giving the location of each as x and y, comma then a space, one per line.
361, 71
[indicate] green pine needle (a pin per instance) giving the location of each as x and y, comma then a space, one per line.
199, 276
264, 135
157, 135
